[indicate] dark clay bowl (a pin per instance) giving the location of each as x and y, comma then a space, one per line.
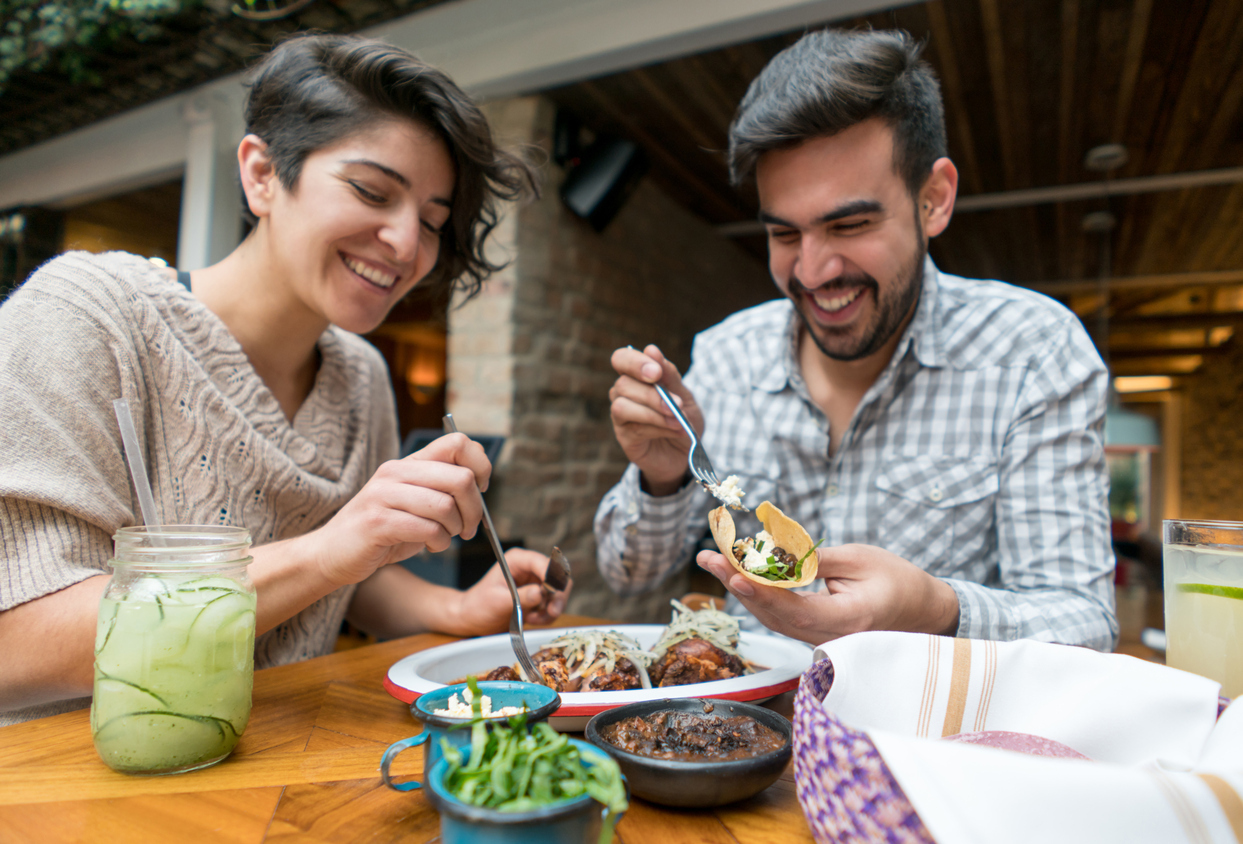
694, 784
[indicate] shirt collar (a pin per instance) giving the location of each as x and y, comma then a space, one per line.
921, 335
783, 369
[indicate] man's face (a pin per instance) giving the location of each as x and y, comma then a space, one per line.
844, 240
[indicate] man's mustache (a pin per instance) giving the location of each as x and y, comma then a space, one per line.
844, 282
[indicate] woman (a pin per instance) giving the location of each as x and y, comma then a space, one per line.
366, 173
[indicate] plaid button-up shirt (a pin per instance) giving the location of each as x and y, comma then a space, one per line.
977, 455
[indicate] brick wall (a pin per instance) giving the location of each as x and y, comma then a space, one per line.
1212, 440
530, 357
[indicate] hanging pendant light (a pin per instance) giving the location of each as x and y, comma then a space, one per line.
1124, 429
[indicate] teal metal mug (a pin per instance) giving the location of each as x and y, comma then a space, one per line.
539, 701
576, 821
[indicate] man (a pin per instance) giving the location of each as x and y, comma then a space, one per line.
942, 435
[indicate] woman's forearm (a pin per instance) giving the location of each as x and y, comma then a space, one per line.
287, 580
395, 602
47, 646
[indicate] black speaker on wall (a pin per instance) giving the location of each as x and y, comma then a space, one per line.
606, 174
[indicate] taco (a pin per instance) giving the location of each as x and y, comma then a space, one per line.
780, 555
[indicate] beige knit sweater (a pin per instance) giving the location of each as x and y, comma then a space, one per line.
87, 329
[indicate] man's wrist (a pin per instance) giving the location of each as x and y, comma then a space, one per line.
662, 488
946, 620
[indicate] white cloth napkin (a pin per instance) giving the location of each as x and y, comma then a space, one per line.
1166, 769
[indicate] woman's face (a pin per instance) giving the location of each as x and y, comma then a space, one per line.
362, 225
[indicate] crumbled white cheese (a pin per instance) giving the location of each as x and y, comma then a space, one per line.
728, 492
460, 707
753, 560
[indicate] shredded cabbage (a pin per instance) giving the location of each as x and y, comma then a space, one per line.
710, 624
591, 652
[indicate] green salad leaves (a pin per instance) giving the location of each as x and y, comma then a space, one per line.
517, 768
777, 570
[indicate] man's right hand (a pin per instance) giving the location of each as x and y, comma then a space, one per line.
646, 429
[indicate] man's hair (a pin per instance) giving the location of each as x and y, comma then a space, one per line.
312, 91
831, 80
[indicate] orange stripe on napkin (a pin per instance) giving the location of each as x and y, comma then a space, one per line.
1231, 803
930, 686
1188, 815
959, 678
986, 685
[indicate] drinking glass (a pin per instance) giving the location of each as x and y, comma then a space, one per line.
1203, 564
174, 649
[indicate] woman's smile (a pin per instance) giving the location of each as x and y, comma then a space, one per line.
378, 277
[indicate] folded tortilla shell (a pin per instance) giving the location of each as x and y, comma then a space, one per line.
786, 533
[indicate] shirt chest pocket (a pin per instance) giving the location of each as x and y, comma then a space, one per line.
933, 510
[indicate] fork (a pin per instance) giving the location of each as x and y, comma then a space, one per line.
697, 458
525, 664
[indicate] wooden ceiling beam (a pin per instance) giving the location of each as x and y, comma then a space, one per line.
1098, 190
1159, 322
1070, 287
1136, 353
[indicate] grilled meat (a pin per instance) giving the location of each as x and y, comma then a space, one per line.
556, 674
623, 676
694, 661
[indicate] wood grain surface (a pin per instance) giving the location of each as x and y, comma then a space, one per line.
306, 770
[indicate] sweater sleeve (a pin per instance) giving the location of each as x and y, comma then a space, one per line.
64, 486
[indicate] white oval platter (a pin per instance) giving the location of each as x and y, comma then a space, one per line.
428, 670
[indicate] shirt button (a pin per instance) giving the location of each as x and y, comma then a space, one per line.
935, 494
831, 490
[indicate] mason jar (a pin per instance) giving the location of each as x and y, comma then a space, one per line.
174, 649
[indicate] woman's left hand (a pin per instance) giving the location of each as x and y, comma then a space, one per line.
487, 605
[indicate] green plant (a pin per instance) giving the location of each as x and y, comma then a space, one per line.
62, 35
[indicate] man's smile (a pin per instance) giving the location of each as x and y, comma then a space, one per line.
832, 301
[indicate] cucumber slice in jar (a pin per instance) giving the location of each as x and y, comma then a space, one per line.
107, 623
114, 698
201, 587
153, 741
219, 611
120, 653
235, 641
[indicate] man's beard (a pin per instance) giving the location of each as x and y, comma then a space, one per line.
890, 313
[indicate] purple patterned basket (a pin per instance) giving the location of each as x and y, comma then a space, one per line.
846, 790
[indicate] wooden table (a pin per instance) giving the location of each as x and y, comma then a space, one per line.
306, 770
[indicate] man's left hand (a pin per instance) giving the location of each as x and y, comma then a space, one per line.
867, 588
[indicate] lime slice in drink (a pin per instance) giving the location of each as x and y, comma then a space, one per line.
1235, 592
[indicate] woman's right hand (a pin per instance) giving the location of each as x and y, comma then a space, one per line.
421, 501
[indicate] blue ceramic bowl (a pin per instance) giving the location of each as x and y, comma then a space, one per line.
576, 821
540, 702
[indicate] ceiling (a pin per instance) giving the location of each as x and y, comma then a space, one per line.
1029, 87
204, 41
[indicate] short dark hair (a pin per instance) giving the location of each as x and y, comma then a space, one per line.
831, 80
313, 90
